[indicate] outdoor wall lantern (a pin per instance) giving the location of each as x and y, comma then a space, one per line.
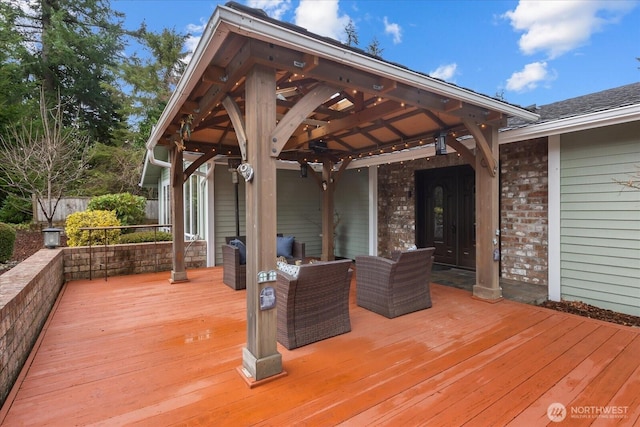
303, 170
232, 164
324, 185
441, 144
51, 237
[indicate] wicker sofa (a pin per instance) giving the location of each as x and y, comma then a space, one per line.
235, 271
394, 287
314, 305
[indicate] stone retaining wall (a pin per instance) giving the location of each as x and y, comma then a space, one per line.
27, 294
120, 260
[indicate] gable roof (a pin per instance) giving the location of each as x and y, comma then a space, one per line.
607, 107
372, 106
591, 103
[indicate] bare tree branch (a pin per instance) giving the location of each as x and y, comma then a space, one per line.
42, 157
633, 182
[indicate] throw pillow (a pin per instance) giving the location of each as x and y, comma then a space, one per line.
284, 246
290, 269
241, 248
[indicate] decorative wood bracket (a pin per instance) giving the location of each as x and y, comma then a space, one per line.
461, 149
197, 163
334, 176
238, 124
297, 114
482, 147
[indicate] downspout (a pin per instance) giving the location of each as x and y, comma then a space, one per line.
152, 159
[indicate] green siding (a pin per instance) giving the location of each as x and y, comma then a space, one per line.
600, 218
225, 206
352, 206
299, 210
298, 207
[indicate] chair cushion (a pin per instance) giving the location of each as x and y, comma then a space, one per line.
290, 269
284, 246
241, 248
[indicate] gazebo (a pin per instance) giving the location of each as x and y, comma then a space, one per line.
262, 90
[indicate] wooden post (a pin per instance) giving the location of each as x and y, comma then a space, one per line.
178, 273
327, 211
487, 285
260, 358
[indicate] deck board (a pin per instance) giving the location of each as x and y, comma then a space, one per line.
137, 350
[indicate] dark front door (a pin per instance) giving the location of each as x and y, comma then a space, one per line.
445, 214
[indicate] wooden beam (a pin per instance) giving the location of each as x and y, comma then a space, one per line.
343, 167
310, 62
178, 272
260, 357
197, 163
237, 68
487, 285
482, 147
327, 212
462, 149
351, 121
215, 75
385, 86
452, 105
296, 115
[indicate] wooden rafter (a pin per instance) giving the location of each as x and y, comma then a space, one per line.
296, 116
351, 121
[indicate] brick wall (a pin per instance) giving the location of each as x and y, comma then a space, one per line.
523, 218
134, 258
396, 201
523, 211
27, 294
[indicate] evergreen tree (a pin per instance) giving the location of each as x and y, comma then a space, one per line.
72, 48
352, 35
374, 47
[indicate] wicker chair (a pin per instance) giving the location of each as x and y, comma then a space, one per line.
315, 305
235, 273
394, 287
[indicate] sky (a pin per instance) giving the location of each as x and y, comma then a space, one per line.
527, 52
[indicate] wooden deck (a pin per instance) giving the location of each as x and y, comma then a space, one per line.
137, 350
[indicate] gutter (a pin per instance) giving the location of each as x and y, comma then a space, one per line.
572, 124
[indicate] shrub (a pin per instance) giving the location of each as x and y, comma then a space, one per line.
95, 218
16, 210
7, 241
146, 236
128, 208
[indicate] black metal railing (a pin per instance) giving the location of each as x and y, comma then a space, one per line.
155, 227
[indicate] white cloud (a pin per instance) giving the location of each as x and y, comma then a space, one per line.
557, 27
195, 34
393, 29
274, 8
530, 77
321, 17
445, 72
